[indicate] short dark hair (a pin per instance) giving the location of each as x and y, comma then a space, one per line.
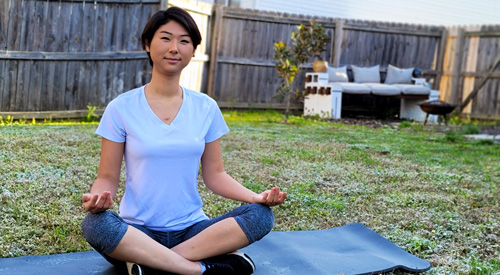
161, 18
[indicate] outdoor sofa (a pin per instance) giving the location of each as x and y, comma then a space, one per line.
325, 90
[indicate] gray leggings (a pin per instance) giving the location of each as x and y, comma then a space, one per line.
103, 231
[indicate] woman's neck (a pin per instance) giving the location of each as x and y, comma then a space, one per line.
164, 86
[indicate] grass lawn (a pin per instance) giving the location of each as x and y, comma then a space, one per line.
434, 194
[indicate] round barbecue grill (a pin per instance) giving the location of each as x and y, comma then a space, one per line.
437, 107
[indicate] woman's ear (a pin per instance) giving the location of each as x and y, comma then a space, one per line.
146, 46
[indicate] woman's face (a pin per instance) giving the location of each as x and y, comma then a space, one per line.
171, 48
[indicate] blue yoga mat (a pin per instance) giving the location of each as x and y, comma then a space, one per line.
350, 249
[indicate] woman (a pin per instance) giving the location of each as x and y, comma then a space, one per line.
163, 132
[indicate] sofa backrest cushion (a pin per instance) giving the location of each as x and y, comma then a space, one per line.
366, 74
338, 74
396, 75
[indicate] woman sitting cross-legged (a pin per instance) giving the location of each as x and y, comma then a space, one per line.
164, 131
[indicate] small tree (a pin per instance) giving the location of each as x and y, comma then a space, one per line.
308, 41
287, 68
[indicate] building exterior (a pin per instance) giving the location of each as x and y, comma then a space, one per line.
427, 12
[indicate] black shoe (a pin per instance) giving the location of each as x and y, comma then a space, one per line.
134, 269
239, 261
213, 268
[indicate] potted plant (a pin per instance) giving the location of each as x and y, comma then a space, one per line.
312, 39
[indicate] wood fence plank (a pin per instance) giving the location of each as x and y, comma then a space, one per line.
87, 32
99, 28
457, 67
89, 2
51, 19
38, 26
24, 78
26, 35
47, 93
14, 27
214, 54
101, 85
74, 56
33, 88
440, 58
4, 78
117, 80
80, 92
76, 28
132, 37
119, 28
109, 31
49, 114
9, 95
4, 23
73, 73
64, 27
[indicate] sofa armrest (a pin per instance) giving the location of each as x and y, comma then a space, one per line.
419, 81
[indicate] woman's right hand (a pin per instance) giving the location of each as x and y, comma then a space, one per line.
95, 203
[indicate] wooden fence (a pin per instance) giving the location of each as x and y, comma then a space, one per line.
242, 72
61, 55
64, 55
471, 66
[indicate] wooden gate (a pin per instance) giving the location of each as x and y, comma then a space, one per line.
469, 66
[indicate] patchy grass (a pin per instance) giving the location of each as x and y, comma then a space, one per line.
434, 194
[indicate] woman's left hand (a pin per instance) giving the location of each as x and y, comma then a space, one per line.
271, 197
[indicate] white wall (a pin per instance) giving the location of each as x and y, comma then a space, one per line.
428, 12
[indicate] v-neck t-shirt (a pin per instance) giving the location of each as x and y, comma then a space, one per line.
162, 160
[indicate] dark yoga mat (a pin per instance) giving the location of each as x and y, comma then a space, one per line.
350, 249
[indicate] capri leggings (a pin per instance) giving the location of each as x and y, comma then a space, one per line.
103, 231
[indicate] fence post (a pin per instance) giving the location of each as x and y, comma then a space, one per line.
214, 49
455, 96
440, 59
337, 42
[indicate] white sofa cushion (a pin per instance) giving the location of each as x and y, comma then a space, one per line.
355, 88
384, 89
396, 75
366, 74
409, 89
337, 74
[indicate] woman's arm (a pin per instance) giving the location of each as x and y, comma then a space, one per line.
217, 180
105, 186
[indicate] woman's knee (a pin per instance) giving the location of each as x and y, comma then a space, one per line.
266, 215
256, 222
103, 231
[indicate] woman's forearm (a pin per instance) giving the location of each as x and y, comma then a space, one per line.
224, 185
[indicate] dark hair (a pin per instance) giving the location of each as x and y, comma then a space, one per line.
161, 18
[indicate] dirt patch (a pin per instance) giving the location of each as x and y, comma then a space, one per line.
368, 122
491, 130
379, 123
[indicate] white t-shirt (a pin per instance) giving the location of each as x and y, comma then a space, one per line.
162, 161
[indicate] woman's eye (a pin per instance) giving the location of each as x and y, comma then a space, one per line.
166, 38
185, 41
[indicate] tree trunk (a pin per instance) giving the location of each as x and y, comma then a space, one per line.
288, 96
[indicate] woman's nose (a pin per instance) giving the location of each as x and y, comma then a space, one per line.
173, 48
